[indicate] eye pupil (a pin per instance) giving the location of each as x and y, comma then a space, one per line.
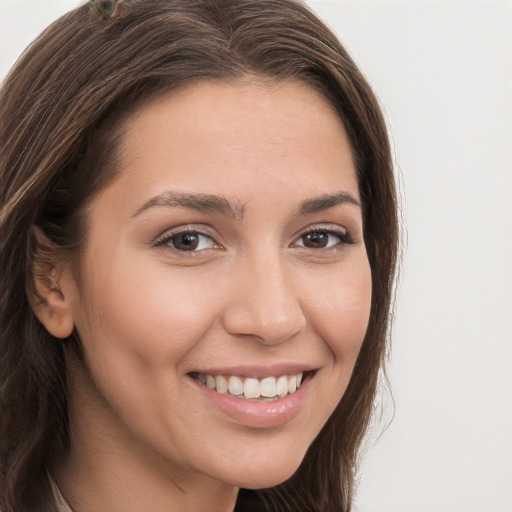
186, 241
316, 239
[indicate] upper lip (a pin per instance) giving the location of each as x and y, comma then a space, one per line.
258, 371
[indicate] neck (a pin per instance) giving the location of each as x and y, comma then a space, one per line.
89, 489
104, 470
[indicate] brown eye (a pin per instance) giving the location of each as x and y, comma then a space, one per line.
187, 241
316, 240
324, 239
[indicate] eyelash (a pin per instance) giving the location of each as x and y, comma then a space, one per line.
342, 235
167, 239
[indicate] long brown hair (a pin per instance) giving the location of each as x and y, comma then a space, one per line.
61, 115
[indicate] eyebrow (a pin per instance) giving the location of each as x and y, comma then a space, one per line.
206, 203
327, 201
210, 203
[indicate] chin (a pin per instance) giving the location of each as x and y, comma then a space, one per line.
262, 475
264, 482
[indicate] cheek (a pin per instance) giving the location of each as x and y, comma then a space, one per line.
343, 312
142, 321
137, 329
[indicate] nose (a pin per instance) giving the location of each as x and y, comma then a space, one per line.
263, 303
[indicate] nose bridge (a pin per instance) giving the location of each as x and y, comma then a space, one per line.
264, 303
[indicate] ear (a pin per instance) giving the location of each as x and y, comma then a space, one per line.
52, 294
53, 306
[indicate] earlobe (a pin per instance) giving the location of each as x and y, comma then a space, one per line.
53, 305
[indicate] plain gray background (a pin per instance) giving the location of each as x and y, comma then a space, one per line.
443, 72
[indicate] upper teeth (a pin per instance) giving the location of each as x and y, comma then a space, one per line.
270, 388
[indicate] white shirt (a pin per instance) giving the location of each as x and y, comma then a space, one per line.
62, 504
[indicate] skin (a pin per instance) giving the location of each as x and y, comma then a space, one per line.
253, 293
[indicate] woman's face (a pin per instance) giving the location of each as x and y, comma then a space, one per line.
223, 265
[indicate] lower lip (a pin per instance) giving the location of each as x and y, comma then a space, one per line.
264, 414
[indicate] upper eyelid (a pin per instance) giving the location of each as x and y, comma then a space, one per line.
200, 229
322, 226
328, 229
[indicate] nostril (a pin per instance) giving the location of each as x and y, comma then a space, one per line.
264, 303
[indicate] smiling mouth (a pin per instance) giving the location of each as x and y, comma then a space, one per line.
249, 388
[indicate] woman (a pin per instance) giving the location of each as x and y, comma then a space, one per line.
199, 238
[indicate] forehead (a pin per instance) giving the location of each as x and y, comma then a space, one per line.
235, 127
268, 147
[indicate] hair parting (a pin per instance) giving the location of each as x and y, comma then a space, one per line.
106, 9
